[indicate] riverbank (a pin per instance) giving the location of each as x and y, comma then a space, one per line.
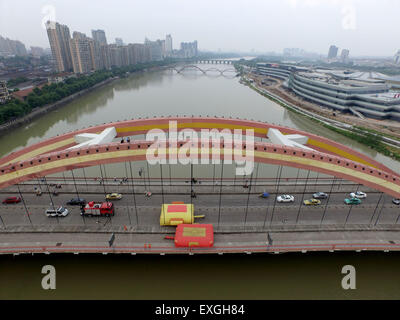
4, 128
40, 110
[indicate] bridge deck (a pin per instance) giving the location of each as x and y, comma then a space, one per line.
240, 222
274, 242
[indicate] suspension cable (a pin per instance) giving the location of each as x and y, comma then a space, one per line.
51, 199
23, 201
162, 183
327, 201
302, 197
133, 193
77, 193
278, 179
127, 206
248, 198
351, 207
220, 193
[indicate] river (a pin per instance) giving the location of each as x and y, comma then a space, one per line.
308, 276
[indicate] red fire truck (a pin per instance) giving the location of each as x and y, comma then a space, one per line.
98, 209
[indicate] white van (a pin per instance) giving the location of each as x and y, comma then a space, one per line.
60, 212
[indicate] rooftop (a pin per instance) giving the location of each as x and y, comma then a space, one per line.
343, 78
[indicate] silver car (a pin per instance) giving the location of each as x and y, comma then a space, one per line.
285, 198
358, 194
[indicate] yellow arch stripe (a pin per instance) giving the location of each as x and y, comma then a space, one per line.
185, 125
331, 167
273, 156
338, 151
62, 143
69, 161
44, 149
205, 125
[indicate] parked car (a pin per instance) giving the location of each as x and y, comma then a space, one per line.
312, 202
76, 202
358, 195
352, 201
285, 198
114, 196
320, 195
396, 201
12, 200
60, 212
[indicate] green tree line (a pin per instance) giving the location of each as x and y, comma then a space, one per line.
51, 93
16, 81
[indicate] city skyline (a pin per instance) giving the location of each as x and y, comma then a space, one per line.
223, 26
82, 54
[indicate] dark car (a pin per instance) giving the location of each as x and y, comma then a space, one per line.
396, 201
76, 202
320, 195
12, 200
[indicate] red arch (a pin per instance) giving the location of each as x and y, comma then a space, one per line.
264, 153
141, 126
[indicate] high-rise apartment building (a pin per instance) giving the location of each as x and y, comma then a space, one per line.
37, 52
397, 57
59, 38
99, 36
115, 56
344, 57
168, 44
119, 42
11, 47
105, 56
154, 50
135, 53
125, 55
189, 49
139, 53
333, 51
4, 94
96, 57
81, 53
163, 48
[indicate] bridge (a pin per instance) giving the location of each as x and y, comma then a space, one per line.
243, 221
231, 72
215, 61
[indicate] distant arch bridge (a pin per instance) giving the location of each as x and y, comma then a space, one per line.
231, 72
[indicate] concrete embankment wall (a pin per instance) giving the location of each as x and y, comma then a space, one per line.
4, 128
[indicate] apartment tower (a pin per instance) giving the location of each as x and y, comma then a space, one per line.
59, 38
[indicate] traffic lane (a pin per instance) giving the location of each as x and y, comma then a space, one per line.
82, 190
258, 208
212, 199
149, 216
205, 201
185, 187
201, 200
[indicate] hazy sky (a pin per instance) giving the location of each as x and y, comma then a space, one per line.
366, 27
